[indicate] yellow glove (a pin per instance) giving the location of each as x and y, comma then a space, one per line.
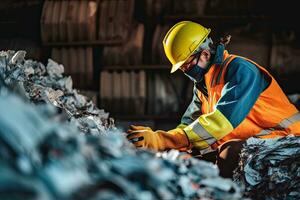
145, 137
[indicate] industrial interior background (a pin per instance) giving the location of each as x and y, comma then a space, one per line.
113, 48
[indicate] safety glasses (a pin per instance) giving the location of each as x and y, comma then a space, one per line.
187, 65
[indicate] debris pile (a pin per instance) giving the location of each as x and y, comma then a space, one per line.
45, 159
47, 84
269, 168
46, 156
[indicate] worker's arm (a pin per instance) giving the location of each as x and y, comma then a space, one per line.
145, 137
243, 84
191, 114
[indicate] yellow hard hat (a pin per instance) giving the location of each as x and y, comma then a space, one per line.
182, 40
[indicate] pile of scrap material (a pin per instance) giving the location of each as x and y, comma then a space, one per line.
47, 84
269, 168
46, 156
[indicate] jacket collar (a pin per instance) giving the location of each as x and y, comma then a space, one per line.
219, 56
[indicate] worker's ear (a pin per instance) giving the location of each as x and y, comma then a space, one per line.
205, 55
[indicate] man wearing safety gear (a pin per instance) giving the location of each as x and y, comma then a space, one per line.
234, 99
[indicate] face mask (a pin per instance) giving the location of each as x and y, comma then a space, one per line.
196, 72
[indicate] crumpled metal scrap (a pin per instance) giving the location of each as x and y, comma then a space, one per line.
198, 179
40, 151
270, 168
51, 159
47, 84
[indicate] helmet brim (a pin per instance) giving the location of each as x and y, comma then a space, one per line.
176, 66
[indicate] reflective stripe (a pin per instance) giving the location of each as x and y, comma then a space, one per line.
196, 141
289, 121
216, 124
206, 150
285, 123
202, 133
195, 138
263, 132
208, 129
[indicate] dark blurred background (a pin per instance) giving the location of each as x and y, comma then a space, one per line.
113, 48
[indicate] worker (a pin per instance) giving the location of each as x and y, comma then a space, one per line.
234, 99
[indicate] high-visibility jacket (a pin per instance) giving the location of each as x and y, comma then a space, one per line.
272, 114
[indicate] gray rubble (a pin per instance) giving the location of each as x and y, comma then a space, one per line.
47, 84
269, 168
44, 155
45, 159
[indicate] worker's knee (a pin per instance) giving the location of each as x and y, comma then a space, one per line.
230, 149
228, 157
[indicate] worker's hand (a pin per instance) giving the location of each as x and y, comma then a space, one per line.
135, 128
145, 137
